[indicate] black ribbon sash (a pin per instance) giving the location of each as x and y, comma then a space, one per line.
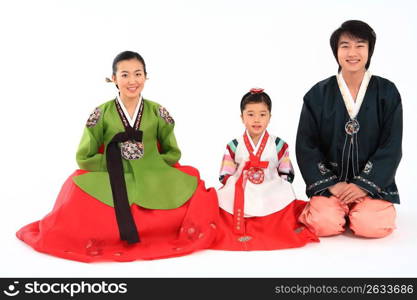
127, 227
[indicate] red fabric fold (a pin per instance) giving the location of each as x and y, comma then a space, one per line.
84, 229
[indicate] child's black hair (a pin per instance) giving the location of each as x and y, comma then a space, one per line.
357, 29
255, 96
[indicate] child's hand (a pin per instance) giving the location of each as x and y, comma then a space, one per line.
352, 193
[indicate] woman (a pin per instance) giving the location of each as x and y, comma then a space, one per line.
130, 200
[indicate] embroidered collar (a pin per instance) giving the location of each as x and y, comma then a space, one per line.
353, 106
135, 114
255, 148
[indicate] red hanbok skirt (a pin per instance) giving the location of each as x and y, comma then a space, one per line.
82, 228
279, 230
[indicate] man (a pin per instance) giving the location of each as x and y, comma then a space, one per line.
349, 142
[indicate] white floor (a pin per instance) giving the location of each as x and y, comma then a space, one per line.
341, 256
51, 85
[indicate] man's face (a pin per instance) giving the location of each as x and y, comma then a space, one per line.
352, 53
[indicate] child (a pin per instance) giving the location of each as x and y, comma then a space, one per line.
130, 200
258, 206
349, 142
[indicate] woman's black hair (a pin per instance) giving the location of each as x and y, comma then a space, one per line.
357, 29
127, 55
255, 97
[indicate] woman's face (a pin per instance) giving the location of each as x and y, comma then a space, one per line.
352, 53
130, 78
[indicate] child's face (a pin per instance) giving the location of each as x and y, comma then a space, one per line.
256, 118
130, 78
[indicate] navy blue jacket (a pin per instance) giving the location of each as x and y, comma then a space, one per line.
327, 154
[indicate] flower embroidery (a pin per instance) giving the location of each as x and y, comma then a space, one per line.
368, 168
317, 183
165, 115
93, 118
244, 239
377, 188
191, 232
256, 175
131, 150
299, 229
94, 247
322, 168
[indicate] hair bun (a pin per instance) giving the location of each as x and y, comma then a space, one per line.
108, 79
256, 90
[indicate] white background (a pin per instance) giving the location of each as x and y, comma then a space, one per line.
202, 56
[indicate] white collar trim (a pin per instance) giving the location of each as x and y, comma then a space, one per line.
353, 106
135, 114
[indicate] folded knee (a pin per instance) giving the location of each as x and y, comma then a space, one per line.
324, 218
373, 219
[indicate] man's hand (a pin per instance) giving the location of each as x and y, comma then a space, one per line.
337, 189
351, 193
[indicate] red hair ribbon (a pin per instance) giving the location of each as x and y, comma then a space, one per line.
256, 90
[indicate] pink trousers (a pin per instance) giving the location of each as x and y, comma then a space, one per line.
371, 218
